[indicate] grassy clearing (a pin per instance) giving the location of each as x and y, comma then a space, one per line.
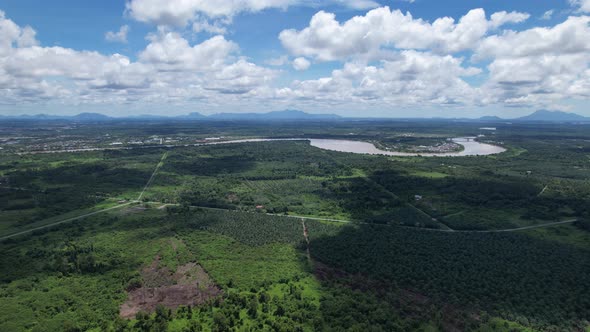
232, 263
430, 175
566, 234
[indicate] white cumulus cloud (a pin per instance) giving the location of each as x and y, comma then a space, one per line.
539, 64
409, 78
169, 51
217, 27
168, 69
327, 39
501, 18
387, 59
570, 36
301, 64
119, 36
11, 34
582, 5
181, 12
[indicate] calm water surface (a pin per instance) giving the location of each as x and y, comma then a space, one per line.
471, 147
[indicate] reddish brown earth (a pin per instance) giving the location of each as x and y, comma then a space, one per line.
188, 285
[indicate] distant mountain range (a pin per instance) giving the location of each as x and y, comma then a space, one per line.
82, 117
553, 116
540, 116
291, 115
271, 116
277, 115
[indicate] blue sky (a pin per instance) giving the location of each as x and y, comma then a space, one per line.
356, 58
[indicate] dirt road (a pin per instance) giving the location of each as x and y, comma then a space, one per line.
65, 221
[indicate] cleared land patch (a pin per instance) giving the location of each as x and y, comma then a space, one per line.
189, 285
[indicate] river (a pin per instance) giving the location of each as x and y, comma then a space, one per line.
470, 147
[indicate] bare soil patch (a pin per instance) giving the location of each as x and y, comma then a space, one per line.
189, 285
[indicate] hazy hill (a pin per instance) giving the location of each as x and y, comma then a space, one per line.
89, 117
276, 115
491, 118
553, 116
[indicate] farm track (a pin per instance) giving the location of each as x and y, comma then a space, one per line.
412, 206
147, 185
21, 189
65, 221
557, 223
303, 218
543, 191
160, 163
306, 236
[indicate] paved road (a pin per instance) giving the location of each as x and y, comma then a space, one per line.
65, 221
